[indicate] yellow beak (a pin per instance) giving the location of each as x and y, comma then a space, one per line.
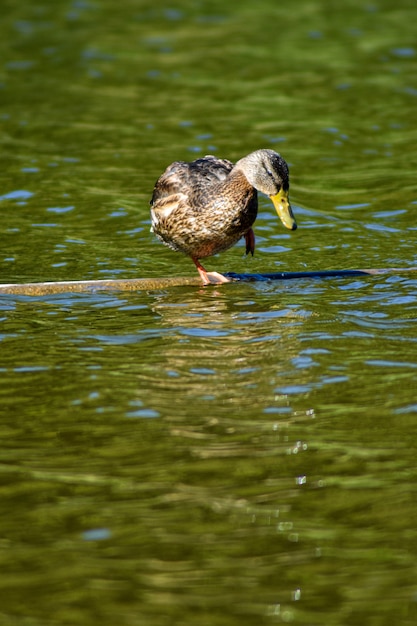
283, 208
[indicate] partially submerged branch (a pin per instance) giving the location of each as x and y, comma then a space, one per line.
151, 284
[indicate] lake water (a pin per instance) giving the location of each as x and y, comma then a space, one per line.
241, 454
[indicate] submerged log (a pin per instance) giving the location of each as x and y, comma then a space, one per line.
91, 286
150, 284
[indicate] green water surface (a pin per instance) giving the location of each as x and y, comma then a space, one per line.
222, 456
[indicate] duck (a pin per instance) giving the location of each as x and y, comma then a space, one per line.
204, 207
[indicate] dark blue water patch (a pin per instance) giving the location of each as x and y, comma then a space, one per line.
105, 409
97, 534
143, 413
410, 91
77, 241
331, 380
134, 231
109, 303
173, 15
120, 340
195, 149
93, 53
315, 34
133, 307
273, 249
382, 227
410, 408
245, 370
52, 225
64, 209
18, 194
359, 205
403, 53
24, 27
401, 300
377, 322
118, 213
386, 363
303, 362
315, 351
205, 332
291, 390
31, 368
275, 139
249, 317
389, 214
363, 315
204, 371
21, 65
354, 285
7, 304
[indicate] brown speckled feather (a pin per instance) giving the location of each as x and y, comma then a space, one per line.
194, 176
203, 207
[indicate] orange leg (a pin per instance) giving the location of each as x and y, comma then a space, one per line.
209, 278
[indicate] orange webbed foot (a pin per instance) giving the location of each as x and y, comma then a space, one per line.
214, 278
210, 278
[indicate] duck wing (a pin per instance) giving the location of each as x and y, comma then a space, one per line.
187, 180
